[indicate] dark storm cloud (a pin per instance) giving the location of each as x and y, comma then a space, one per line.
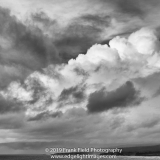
76, 40
81, 34
124, 96
23, 49
7, 105
35, 43
28, 41
27, 48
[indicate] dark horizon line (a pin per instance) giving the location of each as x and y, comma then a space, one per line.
145, 149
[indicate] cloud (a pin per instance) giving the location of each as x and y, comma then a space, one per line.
10, 105
42, 18
129, 7
81, 33
94, 19
57, 99
132, 8
58, 66
103, 66
39, 41
12, 120
76, 39
157, 93
143, 41
27, 41
71, 95
150, 123
45, 115
123, 96
149, 84
23, 48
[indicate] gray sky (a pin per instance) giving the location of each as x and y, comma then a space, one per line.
78, 73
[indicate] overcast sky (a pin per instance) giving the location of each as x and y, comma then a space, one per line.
78, 73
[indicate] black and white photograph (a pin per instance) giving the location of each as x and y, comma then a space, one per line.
79, 79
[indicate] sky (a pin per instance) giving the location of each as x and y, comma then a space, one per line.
78, 73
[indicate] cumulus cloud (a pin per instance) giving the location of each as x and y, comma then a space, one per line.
142, 42
102, 66
145, 41
39, 41
68, 79
95, 97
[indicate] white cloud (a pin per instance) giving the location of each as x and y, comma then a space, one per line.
145, 41
16, 91
109, 66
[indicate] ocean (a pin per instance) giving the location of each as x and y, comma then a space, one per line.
44, 157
